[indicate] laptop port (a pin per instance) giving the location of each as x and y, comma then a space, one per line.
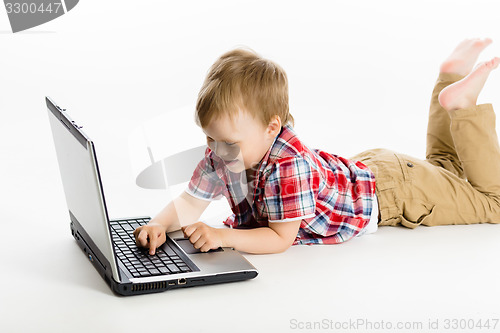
171, 283
181, 281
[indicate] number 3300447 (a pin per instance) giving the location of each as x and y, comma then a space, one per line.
32, 8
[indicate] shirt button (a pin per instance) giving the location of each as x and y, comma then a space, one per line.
409, 164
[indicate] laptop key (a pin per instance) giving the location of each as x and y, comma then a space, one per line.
164, 270
173, 268
169, 251
184, 269
135, 225
146, 261
127, 227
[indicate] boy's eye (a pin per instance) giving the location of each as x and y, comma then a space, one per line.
211, 141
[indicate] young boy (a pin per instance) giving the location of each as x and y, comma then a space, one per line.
282, 192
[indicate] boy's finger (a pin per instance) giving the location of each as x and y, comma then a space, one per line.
153, 240
188, 230
205, 248
136, 235
195, 236
199, 244
137, 231
142, 238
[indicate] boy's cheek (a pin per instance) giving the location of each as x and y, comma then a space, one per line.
234, 152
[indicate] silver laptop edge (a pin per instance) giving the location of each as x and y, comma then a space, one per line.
87, 183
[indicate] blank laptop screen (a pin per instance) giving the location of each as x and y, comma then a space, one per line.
80, 182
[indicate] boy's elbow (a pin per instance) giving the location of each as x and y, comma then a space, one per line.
278, 247
286, 234
283, 246
281, 249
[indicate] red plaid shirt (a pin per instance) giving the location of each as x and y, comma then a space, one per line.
332, 195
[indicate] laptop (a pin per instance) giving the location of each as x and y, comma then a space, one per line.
110, 244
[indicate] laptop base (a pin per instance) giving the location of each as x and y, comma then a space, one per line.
127, 289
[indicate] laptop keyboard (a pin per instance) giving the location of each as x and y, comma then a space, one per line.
138, 260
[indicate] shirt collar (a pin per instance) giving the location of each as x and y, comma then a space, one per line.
272, 154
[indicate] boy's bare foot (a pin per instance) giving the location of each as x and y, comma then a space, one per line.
463, 94
463, 58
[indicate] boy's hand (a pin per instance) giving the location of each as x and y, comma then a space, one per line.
202, 236
150, 236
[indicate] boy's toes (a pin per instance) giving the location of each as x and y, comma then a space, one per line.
481, 42
488, 65
462, 59
493, 63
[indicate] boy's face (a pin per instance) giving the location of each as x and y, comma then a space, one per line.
241, 142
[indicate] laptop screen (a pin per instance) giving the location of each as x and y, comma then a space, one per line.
80, 180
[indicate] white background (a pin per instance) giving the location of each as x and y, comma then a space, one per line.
360, 76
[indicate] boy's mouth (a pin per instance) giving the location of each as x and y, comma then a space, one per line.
230, 163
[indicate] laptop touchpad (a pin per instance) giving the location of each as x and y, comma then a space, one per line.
186, 245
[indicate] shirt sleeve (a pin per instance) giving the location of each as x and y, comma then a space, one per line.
205, 184
289, 191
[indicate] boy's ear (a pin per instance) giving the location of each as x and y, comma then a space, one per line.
274, 126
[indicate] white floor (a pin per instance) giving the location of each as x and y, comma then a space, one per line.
118, 66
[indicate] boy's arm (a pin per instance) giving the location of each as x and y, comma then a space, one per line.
182, 210
278, 237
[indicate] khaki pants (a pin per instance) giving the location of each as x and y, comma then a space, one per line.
457, 183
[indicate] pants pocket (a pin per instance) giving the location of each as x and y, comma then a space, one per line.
415, 213
407, 165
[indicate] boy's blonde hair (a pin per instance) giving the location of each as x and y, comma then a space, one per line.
241, 78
